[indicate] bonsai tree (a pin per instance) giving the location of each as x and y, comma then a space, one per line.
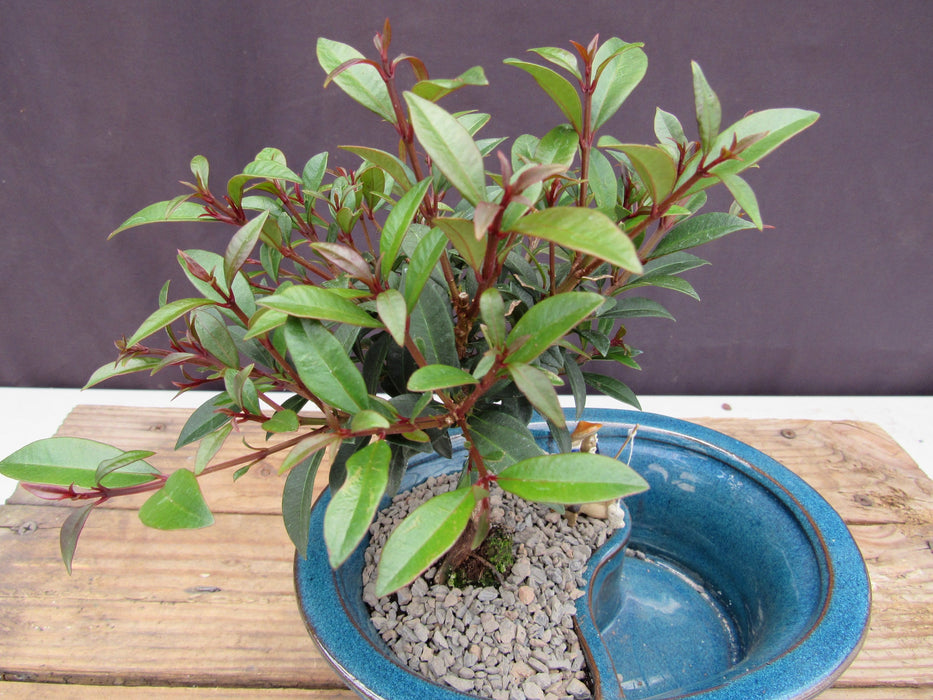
448, 288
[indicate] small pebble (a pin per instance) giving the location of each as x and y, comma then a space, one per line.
487, 594
532, 690
526, 594
576, 689
403, 595
464, 685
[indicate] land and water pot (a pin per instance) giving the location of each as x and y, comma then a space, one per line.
731, 579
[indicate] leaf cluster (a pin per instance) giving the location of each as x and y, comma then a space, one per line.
410, 298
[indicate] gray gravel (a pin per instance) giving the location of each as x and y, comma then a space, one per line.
508, 643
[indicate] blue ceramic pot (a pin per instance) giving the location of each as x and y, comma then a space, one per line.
733, 579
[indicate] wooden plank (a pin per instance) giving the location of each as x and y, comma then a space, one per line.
209, 607
878, 693
52, 691
899, 646
216, 606
857, 467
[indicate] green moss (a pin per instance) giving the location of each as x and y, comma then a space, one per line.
494, 559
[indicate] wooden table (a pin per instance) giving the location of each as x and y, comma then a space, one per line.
212, 613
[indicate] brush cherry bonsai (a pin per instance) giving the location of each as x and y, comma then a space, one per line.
401, 297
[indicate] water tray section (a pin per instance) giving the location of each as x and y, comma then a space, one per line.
723, 584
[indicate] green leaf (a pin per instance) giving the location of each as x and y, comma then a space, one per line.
108, 466
576, 382
537, 388
673, 264
200, 169
668, 128
215, 337
397, 223
698, 230
172, 210
209, 447
263, 321
321, 303
599, 340
603, 181
311, 445
284, 421
214, 264
64, 461
369, 420
345, 258
584, 230
391, 164
624, 356
204, 420
501, 438
568, 479
431, 377
423, 260
670, 132
434, 90
71, 530
297, 498
637, 307
235, 187
547, 322
527, 181
270, 154
654, 166
485, 364
313, 173
242, 244
178, 505
361, 82
744, 197
422, 537
323, 365
560, 57
559, 145
271, 261
392, 310
126, 365
709, 113
432, 327
618, 79
473, 121
163, 316
558, 88
773, 126
678, 284
270, 170
450, 147
612, 387
524, 146
460, 232
492, 310
352, 507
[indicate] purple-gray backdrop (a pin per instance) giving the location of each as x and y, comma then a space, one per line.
103, 103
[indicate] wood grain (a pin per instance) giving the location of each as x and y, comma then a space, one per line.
160, 613
49, 691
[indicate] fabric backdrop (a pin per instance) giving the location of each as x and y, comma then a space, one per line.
104, 102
